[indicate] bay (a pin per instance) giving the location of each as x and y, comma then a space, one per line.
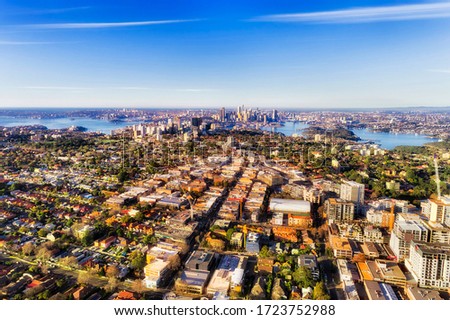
95, 125
289, 128
391, 140
385, 139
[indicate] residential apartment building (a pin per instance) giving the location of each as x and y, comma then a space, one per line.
403, 233
430, 264
352, 191
339, 210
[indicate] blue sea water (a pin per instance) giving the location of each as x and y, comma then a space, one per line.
391, 140
96, 125
385, 140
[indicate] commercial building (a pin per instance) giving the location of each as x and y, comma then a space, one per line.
416, 293
341, 247
201, 260
373, 290
379, 291
383, 271
195, 277
229, 275
192, 282
347, 279
155, 273
297, 211
158, 266
370, 250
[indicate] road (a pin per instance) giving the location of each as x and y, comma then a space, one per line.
95, 280
332, 280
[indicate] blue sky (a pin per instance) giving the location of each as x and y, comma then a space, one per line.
197, 53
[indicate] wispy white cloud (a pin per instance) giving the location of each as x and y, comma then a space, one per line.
195, 90
132, 88
24, 43
439, 70
137, 88
366, 14
102, 25
25, 11
53, 88
58, 10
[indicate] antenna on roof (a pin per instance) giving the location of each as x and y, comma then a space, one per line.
438, 182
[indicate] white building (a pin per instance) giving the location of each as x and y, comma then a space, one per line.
430, 264
155, 272
352, 191
437, 210
347, 280
229, 275
403, 233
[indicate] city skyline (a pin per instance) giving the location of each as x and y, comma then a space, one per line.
280, 54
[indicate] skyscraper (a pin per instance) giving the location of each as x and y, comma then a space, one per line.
222, 115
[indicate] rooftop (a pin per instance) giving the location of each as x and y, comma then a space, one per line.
277, 204
431, 248
194, 277
416, 293
200, 260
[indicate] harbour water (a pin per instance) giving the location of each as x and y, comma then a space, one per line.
384, 139
95, 125
289, 128
391, 140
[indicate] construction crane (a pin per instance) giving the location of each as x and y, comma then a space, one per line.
245, 228
438, 182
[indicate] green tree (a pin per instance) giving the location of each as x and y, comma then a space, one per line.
269, 285
112, 271
264, 252
303, 277
87, 240
137, 260
44, 254
230, 233
42, 233
139, 217
122, 176
28, 248
69, 262
320, 292
86, 277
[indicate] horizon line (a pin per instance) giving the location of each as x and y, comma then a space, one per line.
9, 108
